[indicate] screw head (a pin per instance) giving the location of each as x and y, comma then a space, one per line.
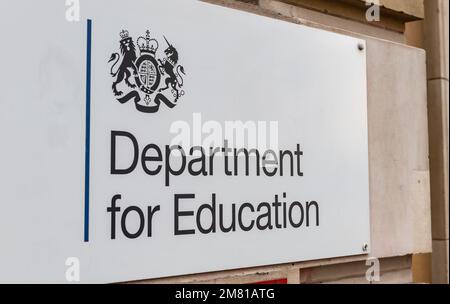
360, 46
365, 247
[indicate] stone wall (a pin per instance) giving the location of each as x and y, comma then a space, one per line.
436, 43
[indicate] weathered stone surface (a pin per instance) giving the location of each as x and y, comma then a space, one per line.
436, 43
398, 149
397, 269
438, 126
436, 38
440, 262
411, 7
344, 24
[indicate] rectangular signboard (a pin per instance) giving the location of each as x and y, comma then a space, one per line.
160, 138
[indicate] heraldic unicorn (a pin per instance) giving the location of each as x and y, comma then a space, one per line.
148, 80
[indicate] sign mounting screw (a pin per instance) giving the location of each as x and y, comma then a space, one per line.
365, 247
360, 46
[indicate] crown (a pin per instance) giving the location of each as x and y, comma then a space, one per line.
147, 44
124, 34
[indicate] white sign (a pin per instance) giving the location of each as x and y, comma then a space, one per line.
160, 138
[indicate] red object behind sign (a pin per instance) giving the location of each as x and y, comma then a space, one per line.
278, 281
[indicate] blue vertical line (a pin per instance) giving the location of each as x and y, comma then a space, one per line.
88, 131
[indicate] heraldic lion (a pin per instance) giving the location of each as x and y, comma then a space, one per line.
128, 50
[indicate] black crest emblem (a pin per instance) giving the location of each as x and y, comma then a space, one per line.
148, 80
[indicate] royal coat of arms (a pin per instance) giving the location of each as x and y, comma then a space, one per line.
149, 81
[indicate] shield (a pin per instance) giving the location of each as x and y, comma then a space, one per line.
148, 76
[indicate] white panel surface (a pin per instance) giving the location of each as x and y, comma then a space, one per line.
238, 67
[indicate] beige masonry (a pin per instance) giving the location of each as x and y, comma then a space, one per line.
398, 143
436, 43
